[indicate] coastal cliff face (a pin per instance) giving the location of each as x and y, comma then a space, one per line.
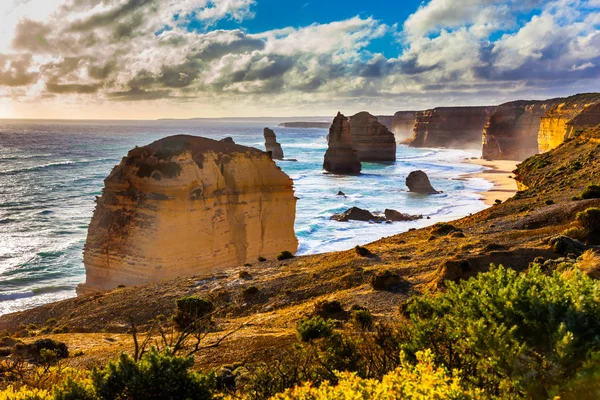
341, 157
512, 131
403, 124
454, 127
272, 146
186, 205
371, 139
570, 115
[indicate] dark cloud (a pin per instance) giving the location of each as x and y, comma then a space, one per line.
111, 16
101, 72
15, 71
179, 76
137, 94
72, 88
216, 50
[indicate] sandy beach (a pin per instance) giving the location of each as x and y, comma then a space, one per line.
500, 173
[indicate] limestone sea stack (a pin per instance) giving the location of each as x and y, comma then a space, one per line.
371, 139
452, 127
187, 205
341, 157
272, 146
418, 182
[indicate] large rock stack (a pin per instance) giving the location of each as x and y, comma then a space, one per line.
341, 157
187, 205
371, 139
272, 146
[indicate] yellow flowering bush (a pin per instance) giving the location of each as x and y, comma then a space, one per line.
420, 381
24, 393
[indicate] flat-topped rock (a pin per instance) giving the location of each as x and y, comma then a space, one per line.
371, 139
187, 205
341, 157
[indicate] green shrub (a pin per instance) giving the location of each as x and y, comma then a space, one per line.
591, 192
510, 334
363, 251
156, 376
284, 255
362, 318
75, 390
314, 328
191, 310
576, 233
590, 221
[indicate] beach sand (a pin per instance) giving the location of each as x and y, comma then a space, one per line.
500, 173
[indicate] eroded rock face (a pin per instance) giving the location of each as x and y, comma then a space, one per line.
272, 145
403, 124
187, 205
418, 182
570, 115
512, 131
453, 127
341, 157
371, 139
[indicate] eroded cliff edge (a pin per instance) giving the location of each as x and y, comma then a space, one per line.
186, 205
453, 127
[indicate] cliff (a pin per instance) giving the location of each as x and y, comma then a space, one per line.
570, 115
186, 205
371, 139
341, 157
272, 146
454, 127
403, 124
512, 131
386, 120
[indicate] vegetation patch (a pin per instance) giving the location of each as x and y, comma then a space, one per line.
284, 255
191, 310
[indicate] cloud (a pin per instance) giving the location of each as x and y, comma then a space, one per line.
16, 70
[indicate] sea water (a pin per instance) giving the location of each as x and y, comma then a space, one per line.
51, 172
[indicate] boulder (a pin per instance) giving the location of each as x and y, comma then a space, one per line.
418, 182
357, 214
341, 157
187, 205
396, 216
228, 140
272, 146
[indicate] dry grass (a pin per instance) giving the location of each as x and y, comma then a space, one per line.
589, 264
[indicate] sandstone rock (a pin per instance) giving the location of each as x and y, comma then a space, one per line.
357, 214
403, 125
371, 139
187, 205
272, 146
454, 127
341, 157
396, 216
418, 182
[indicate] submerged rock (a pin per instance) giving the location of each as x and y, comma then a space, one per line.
396, 216
357, 214
418, 182
341, 157
272, 146
371, 139
187, 205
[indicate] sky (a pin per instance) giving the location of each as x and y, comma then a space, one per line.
148, 59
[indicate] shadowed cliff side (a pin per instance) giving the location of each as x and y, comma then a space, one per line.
186, 205
403, 125
341, 157
371, 139
453, 127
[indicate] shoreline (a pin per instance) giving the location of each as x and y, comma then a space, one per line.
499, 173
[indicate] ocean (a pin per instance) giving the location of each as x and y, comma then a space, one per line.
51, 172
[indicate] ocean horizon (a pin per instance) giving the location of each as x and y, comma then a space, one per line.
52, 171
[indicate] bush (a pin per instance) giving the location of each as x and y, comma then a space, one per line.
314, 328
191, 310
363, 251
590, 220
250, 291
443, 228
576, 233
24, 393
510, 334
284, 255
388, 280
421, 381
362, 318
75, 390
330, 310
261, 259
156, 376
591, 192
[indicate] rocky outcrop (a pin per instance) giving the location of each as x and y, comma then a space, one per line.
272, 146
570, 115
187, 205
357, 214
341, 157
371, 139
418, 182
228, 140
511, 133
397, 216
453, 127
403, 125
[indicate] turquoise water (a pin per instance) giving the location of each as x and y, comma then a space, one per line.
50, 173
